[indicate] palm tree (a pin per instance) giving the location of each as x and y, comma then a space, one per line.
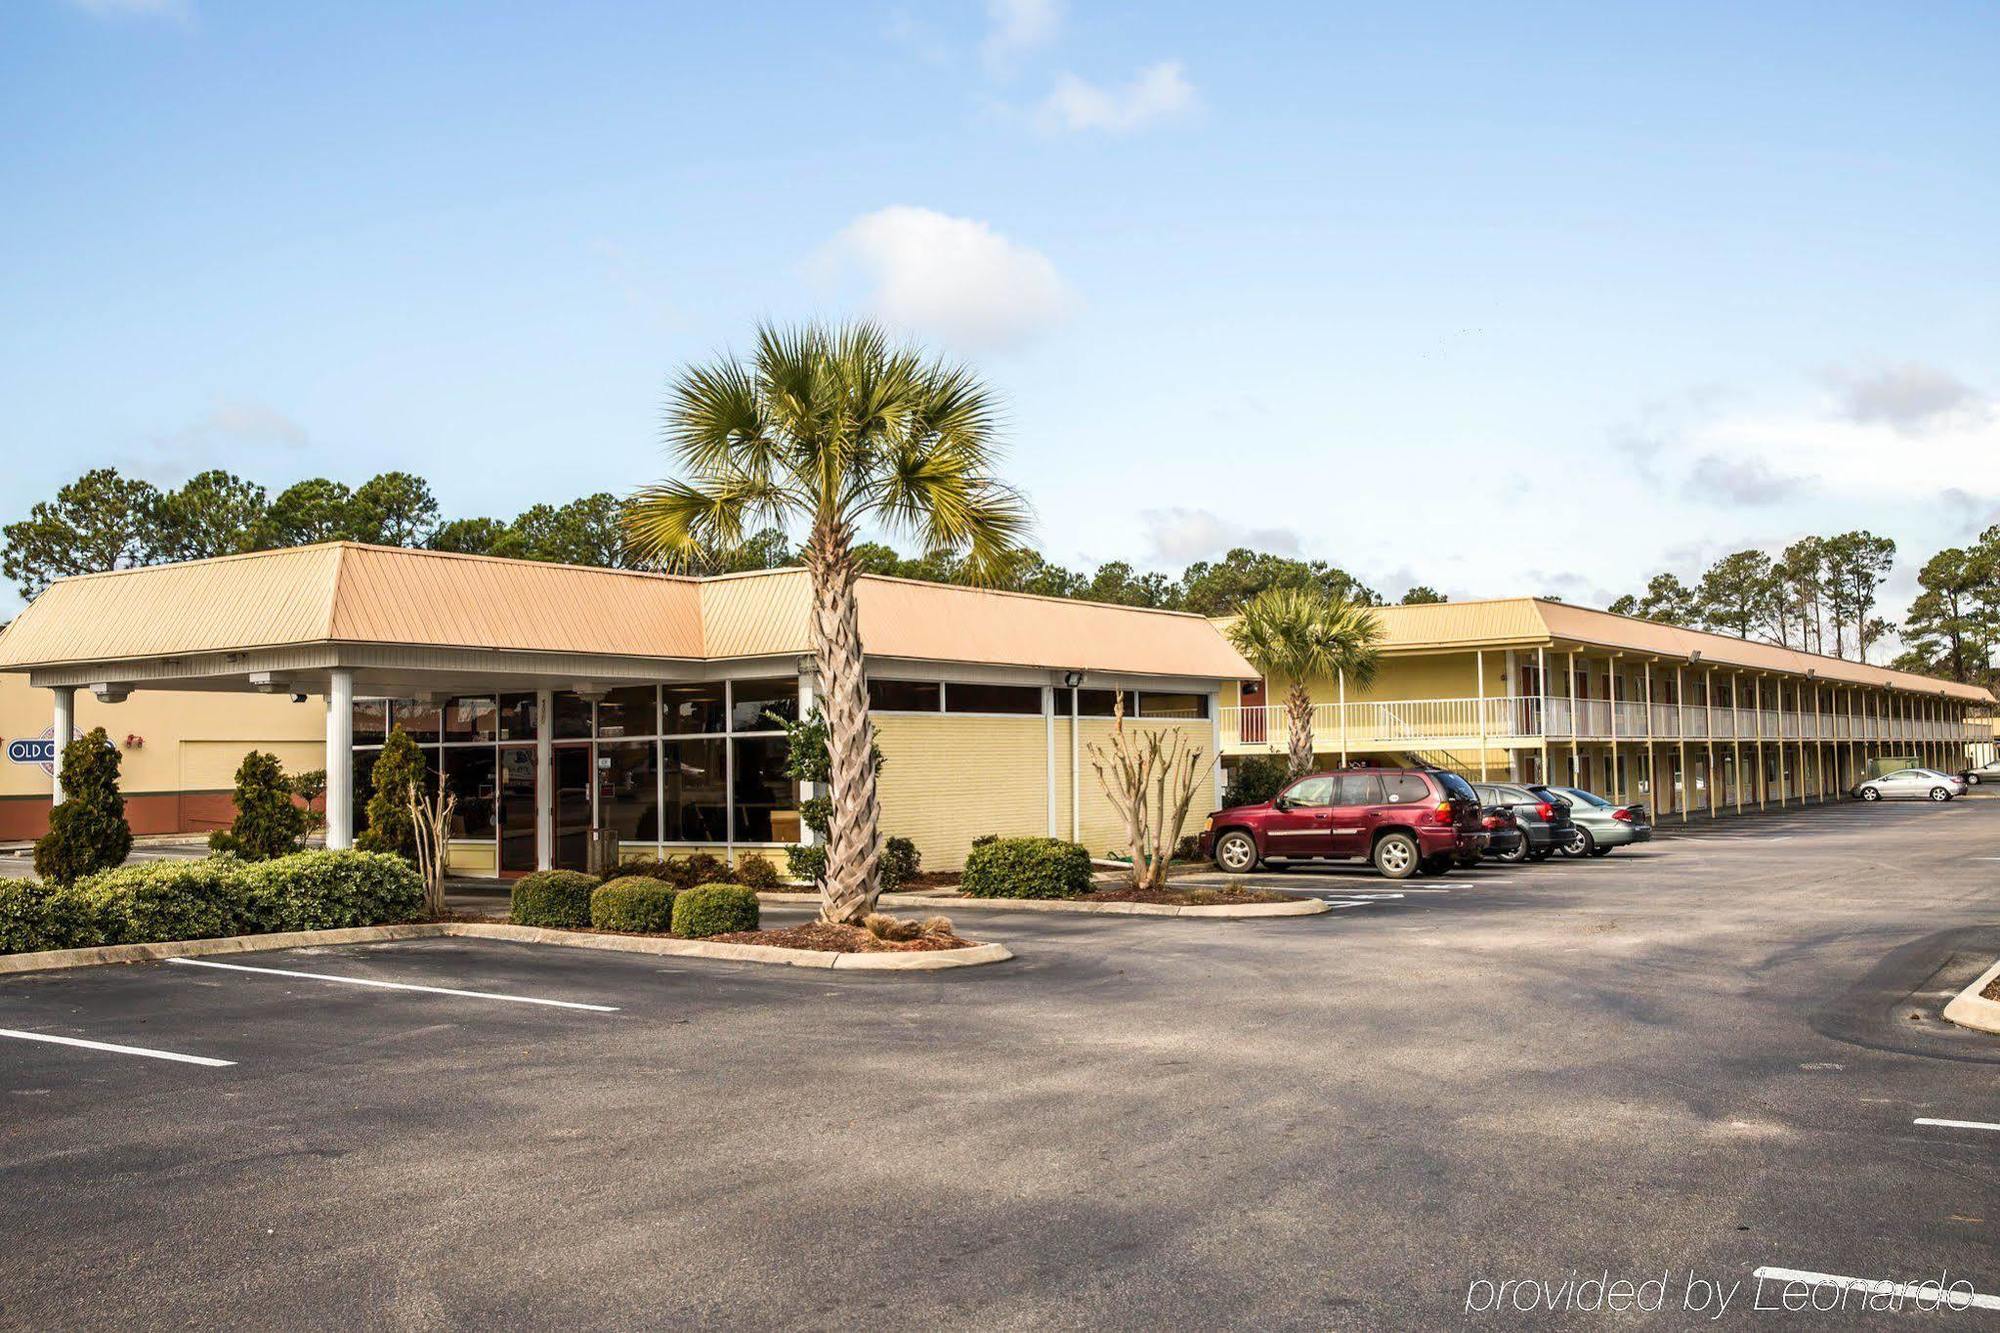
828, 429
1302, 634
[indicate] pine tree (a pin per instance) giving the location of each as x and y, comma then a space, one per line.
269, 823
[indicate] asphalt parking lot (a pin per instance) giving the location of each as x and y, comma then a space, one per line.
1690, 1061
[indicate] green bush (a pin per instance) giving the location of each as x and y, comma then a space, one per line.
87, 832
268, 821
170, 900
900, 863
332, 891
553, 898
714, 909
636, 903
1254, 780
390, 826
807, 863
1027, 868
35, 916
756, 872
705, 869
683, 872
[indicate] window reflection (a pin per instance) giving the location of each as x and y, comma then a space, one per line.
697, 804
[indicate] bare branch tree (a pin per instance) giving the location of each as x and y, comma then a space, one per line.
430, 816
1150, 778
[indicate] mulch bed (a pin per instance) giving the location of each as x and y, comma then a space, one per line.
840, 939
1992, 991
1125, 893
929, 879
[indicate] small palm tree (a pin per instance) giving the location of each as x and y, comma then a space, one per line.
1302, 634
829, 429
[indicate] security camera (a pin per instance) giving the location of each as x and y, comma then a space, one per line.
297, 697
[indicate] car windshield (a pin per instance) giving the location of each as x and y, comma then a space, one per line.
1588, 798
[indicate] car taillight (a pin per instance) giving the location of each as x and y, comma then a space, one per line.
1546, 811
1622, 813
1442, 815
1494, 821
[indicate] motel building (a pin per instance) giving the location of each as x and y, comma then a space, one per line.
1689, 723
567, 707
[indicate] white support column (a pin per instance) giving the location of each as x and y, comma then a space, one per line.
1075, 768
1575, 726
62, 726
1215, 747
1343, 719
1479, 657
545, 780
340, 759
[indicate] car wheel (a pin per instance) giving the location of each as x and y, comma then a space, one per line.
1513, 855
1580, 842
1396, 856
1871, 793
1542, 855
1602, 851
1940, 794
1236, 853
1972, 779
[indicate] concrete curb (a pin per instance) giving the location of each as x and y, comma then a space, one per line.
1225, 911
50, 959
935, 961
1971, 1010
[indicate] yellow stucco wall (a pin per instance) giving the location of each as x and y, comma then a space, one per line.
190, 741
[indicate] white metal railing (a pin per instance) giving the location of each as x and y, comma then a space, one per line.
1446, 723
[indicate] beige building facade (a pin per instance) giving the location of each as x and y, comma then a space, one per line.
565, 707
1690, 723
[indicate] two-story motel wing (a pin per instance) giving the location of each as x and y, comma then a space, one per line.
1529, 689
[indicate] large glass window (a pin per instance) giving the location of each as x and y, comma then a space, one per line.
628, 789
697, 791
471, 719
905, 696
517, 717
371, 721
1173, 705
572, 720
754, 698
417, 717
693, 709
992, 698
1104, 703
767, 800
470, 775
628, 711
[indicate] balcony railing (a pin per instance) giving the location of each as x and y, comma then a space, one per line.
1441, 724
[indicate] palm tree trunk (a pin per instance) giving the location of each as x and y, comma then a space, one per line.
1299, 709
853, 837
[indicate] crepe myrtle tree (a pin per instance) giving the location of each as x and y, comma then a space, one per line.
829, 429
1303, 634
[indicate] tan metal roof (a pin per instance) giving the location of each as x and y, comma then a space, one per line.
349, 593
1533, 620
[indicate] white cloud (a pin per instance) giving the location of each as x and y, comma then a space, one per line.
160, 9
1016, 28
1178, 536
953, 277
1743, 481
232, 433
1077, 105
1911, 398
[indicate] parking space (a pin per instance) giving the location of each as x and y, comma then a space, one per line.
1713, 1056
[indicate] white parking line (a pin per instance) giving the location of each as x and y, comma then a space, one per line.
397, 985
1955, 1124
1954, 1300
1337, 903
116, 1049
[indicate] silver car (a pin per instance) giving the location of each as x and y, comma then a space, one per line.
1986, 772
1599, 825
1911, 784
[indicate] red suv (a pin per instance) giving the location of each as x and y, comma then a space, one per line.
1406, 820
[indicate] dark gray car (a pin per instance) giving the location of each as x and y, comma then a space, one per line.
1545, 824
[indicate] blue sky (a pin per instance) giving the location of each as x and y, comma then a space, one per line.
1504, 299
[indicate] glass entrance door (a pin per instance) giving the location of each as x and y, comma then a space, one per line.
573, 780
517, 809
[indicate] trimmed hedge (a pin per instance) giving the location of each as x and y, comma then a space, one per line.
633, 903
186, 900
1026, 868
899, 865
333, 890
756, 872
714, 909
553, 898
